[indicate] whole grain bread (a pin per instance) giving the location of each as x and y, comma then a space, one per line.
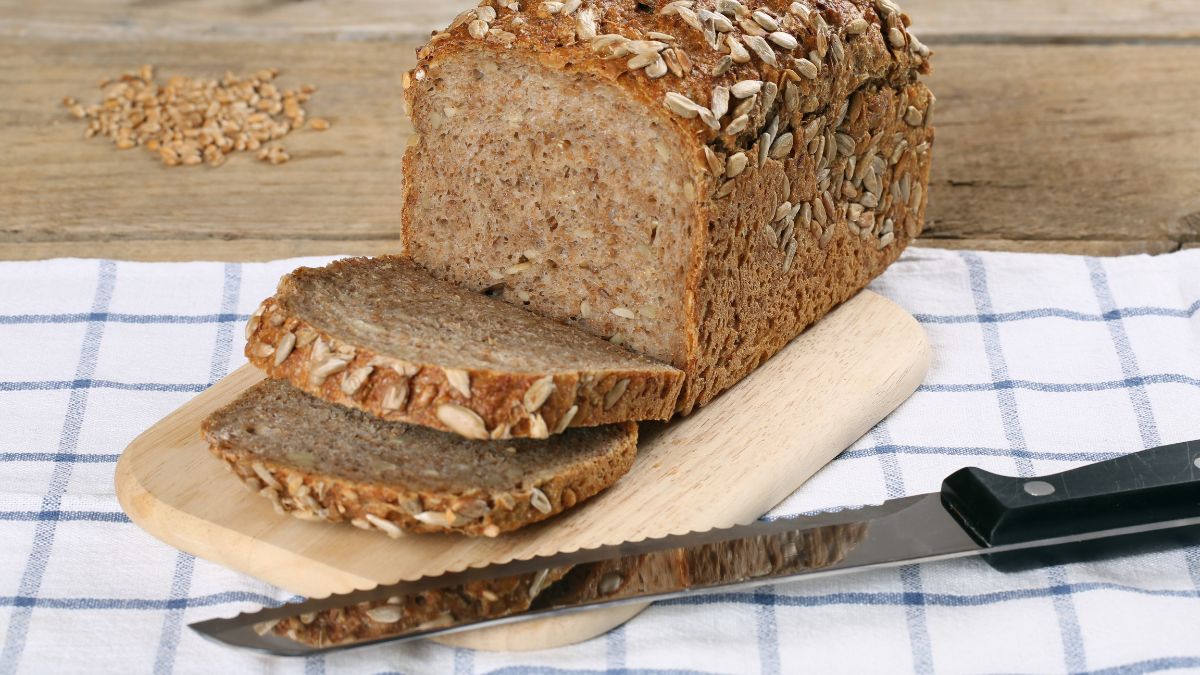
699, 180
384, 336
320, 461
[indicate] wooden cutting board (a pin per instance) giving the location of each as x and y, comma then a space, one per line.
727, 463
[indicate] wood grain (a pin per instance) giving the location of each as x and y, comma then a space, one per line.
727, 463
289, 20
341, 184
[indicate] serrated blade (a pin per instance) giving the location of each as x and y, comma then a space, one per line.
912, 529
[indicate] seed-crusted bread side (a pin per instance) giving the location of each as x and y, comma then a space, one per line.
386, 337
699, 180
320, 461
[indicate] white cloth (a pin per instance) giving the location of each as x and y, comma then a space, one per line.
1041, 363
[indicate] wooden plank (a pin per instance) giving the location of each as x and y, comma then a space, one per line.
1069, 246
1056, 143
268, 20
232, 250
1062, 143
341, 184
724, 464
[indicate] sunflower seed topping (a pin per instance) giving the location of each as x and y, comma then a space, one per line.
387, 526
785, 40
746, 88
394, 397
537, 393
283, 348
462, 421
385, 613
722, 66
539, 501
460, 380
806, 68
857, 26
761, 49
565, 420
609, 583
720, 101
478, 29
896, 37
782, 147
613, 395
585, 25
735, 164
765, 20
354, 380
736, 50
539, 582
738, 125
681, 105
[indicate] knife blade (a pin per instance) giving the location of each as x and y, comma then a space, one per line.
1147, 499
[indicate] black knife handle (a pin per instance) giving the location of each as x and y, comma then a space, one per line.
1156, 485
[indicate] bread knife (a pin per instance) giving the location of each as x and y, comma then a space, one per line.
1146, 500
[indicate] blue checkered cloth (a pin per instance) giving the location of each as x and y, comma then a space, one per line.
1042, 363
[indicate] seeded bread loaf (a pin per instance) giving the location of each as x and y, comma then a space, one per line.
384, 336
699, 180
321, 461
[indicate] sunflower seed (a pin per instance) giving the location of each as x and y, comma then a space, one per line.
460, 380
769, 92
266, 476
746, 88
781, 211
725, 190
673, 7
624, 312
819, 212
677, 61
737, 51
387, 526
539, 582
735, 164
791, 97
252, 325
642, 59
764, 147
785, 40
585, 25
720, 101
719, 22
657, 68
885, 241
896, 37
887, 8
681, 105
284, 347
565, 420
806, 68
263, 350
913, 117
715, 165
537, 393
384, 613
613, 395
857, 26
264, 627
723, 66
462, 421
760, 47
478, 29
845, 144
800, 10
539, 501
836, 50
609, 583
552, 7
745, 107
537, 427
782, 147
354, 380
689, 17
738, 125
732, 8
570, 6
305, 336
435, 518
914, 199
330, 366
789, 256
765, 20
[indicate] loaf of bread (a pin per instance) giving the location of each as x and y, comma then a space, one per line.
320, 461
699, 180
384, 336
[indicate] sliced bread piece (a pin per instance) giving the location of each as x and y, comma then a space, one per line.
384, 336
321, 461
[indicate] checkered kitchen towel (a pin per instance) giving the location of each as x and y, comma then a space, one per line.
1041, 363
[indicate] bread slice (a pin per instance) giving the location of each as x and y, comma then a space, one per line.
384, 336
699, 180
321, 461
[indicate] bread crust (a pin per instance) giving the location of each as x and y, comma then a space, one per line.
289, 347
744, 298
395, 509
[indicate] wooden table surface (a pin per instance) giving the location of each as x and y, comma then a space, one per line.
1063, 125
